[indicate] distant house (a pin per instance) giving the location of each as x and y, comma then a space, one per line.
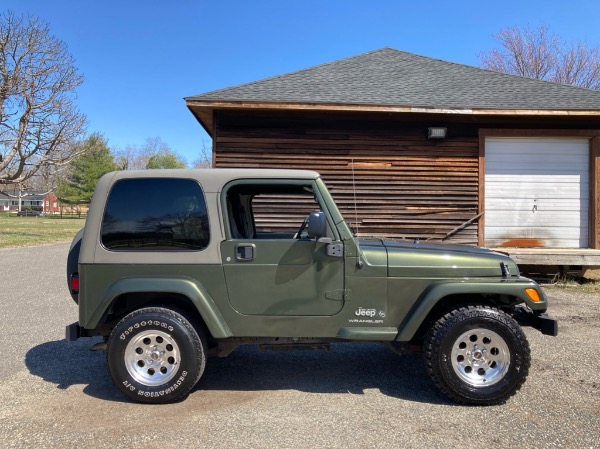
30, 201
430, 149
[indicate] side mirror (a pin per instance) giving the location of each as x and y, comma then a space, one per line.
317, 225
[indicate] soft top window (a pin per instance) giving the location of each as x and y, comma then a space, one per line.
155, 214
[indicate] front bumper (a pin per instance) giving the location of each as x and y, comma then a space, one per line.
540, 321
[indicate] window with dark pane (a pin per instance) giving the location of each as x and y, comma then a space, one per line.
155, 214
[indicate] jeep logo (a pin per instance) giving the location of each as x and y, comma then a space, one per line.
365, 312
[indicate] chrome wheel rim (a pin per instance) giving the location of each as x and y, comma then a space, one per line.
480, 357
152, 358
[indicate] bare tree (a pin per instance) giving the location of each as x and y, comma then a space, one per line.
205, 159
45, 180
134, 157
39, 123
129, 158
579, 66
541, 54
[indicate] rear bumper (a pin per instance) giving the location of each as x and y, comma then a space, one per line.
72, 332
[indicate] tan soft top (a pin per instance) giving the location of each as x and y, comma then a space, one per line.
212, 179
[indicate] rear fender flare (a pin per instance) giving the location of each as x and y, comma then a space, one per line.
187, 287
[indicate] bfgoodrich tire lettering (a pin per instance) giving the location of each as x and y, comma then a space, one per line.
477, 355
155, 355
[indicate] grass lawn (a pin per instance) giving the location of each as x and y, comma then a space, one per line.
31, 231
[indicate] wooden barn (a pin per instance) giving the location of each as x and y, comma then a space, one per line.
427, 149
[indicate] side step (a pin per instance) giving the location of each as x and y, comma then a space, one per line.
295, 347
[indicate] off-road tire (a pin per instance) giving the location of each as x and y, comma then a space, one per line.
155, 355
477, 355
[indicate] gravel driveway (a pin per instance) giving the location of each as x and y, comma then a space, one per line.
57, 394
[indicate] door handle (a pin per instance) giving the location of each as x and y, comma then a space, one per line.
245, 252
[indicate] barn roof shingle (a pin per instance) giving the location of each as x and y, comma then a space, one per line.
391, 77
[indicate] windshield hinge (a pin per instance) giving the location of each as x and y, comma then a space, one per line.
335, 250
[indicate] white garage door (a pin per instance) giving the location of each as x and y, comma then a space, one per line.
536, 192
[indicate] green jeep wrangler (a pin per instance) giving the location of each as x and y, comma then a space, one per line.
174, 266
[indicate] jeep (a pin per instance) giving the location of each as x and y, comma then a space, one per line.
174, 266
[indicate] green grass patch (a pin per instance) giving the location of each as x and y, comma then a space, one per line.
32, 231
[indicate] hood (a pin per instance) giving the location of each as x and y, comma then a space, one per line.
420, 260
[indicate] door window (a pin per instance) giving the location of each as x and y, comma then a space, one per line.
269, 211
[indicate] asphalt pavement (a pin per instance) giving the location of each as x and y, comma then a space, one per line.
58, 394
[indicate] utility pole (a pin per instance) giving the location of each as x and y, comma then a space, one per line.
20, 195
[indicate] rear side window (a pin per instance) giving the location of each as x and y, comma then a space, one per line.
155, 214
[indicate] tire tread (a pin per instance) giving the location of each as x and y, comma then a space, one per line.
197, 336
434, 340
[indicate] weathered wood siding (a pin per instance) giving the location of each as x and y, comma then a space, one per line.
405, 185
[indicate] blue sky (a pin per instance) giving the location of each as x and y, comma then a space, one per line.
140, 58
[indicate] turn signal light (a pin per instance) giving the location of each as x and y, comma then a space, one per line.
533, 294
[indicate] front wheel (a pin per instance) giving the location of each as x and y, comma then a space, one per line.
155, 355
477, 355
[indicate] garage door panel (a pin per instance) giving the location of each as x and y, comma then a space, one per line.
547, 163
549, 145
533, 232
503, 205
566, 176
533, 237
523, 170
533, 243
576, 154
537, 192
547, 219
569, 192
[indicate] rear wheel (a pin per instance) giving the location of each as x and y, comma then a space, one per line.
155, 355
477, 355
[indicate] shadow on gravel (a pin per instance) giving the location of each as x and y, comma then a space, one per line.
72, 363
349, 368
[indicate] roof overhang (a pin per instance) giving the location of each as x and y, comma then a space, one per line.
204, 110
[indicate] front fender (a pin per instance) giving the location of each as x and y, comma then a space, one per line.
187, 287
439, 290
